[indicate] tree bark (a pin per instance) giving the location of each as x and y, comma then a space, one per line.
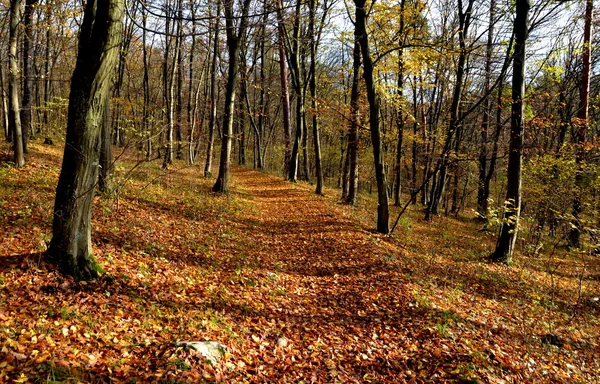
212, 122
482, 198
399, 112
313, 95
438, 193
285, 92
13, 86
510, 223
105, 181
3, 98
353, 137
297, 78
98, 51
574, 236
374, 112
26, 116
233, 46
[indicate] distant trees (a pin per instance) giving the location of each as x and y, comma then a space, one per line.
411, 105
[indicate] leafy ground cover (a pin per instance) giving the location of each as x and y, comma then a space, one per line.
270, 260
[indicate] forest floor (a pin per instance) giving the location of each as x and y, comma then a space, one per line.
271, 260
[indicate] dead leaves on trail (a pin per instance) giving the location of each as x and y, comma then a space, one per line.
296, 286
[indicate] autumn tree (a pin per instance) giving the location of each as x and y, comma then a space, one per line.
97, 57
374, 115
13, 86
512, 204
234, 35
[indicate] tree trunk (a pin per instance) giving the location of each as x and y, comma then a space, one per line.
213, 97
46, 114
574, 235
233, 45
482, 203
399, 112
438, 192
374, 112
285, 93
299, 90
313, 95
3, 98
26, 121
105, 181
13, 86
510, 223
146, 86
353, 136
98, 51
170, 99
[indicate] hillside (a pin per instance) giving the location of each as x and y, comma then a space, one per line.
298, 287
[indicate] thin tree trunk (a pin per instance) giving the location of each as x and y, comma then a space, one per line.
170, 99
13, 86
213, 96
179, 106
574, 235
46, 114
285, 93
399, 112
374, 116
353, 136
313, 95
146, 86
105, 182
510, 223
482, 203
3, 97
464, 23
26, 116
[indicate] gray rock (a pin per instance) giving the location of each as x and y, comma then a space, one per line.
211, 350
282, 342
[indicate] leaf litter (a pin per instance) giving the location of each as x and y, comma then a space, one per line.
297, 287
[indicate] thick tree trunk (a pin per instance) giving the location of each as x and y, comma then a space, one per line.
233, 45
70, 247
510, 223
13, 86
374, 112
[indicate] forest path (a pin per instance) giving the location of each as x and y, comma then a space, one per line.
340, 293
